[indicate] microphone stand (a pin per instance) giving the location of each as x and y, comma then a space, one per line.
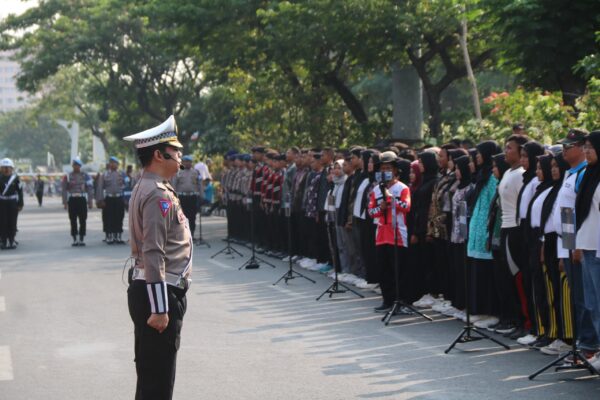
228, 249
291, 272
398, 303
254, 261
200, 241
466, 334
336, 287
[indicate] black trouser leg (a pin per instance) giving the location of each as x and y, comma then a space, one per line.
115, 212
155, 353
12, 213
77, 207
554, 298
323, 254
3, 221
189, 205
385, 258
39, 196
505, 278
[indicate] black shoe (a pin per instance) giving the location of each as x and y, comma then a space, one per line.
110, 239
75, 244
11, 245
404, 311
542, 341
81, 243
520, 332
505, 328
383, 308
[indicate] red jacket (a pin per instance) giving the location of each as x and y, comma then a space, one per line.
385, 231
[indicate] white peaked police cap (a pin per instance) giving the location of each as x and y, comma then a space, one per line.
163, 133
6, 162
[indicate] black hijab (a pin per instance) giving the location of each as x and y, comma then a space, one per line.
546, 166
548, 205
430, 164
533, 150
487, 150
501, 164
403, 171
589, 183
462, 163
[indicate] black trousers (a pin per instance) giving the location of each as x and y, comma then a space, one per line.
388, 281
505, 282
155, 353
115, 212
8, 219
323, 253
189, 205
77, 207
40, 196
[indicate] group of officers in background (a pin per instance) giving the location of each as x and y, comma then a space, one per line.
498, 215
111, 191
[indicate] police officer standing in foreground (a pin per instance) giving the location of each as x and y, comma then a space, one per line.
77, 195
11, 203
188, 184
161, 244
109, 196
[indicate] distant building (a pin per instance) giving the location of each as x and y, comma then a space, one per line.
10, 97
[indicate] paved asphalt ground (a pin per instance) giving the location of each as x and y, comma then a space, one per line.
65, 333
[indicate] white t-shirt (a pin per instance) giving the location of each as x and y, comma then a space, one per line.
587, 235
550, 227
536, 209
526, 197
508, 189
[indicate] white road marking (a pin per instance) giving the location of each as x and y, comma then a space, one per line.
6, 370
2, 304
220, 264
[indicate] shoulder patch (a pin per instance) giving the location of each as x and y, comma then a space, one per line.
164, 205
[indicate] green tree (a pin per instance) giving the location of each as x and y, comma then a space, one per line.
544, 39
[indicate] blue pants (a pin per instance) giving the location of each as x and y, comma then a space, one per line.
591, 286
586, 334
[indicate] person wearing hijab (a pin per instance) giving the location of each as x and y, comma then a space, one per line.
415, 176
457, 246
338, 178
369, 225
587, 213
437, 227
534, 232
423, 272
558, 294
480, 259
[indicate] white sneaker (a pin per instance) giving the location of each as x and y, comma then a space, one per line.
441, 306
527, 339
475, 318
450, 311
350, 279
377, 290
360, 283
425, 301
461, 315
555, 348
286, 259
595, 362
484, 323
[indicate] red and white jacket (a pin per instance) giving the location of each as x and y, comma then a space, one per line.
385, 231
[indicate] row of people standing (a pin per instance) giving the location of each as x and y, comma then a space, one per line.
491, 213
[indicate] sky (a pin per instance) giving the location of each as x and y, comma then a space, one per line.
14, 6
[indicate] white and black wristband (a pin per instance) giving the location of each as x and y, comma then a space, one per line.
157, 294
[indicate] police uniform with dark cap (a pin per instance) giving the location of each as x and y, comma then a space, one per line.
161, 245
109, 196
188, 184
11, 203
77, 196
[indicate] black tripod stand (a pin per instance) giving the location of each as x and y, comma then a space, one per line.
336, 287
291, 273
579, 360
466, 335
228, 249
253, 262
200, 241
398, 305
